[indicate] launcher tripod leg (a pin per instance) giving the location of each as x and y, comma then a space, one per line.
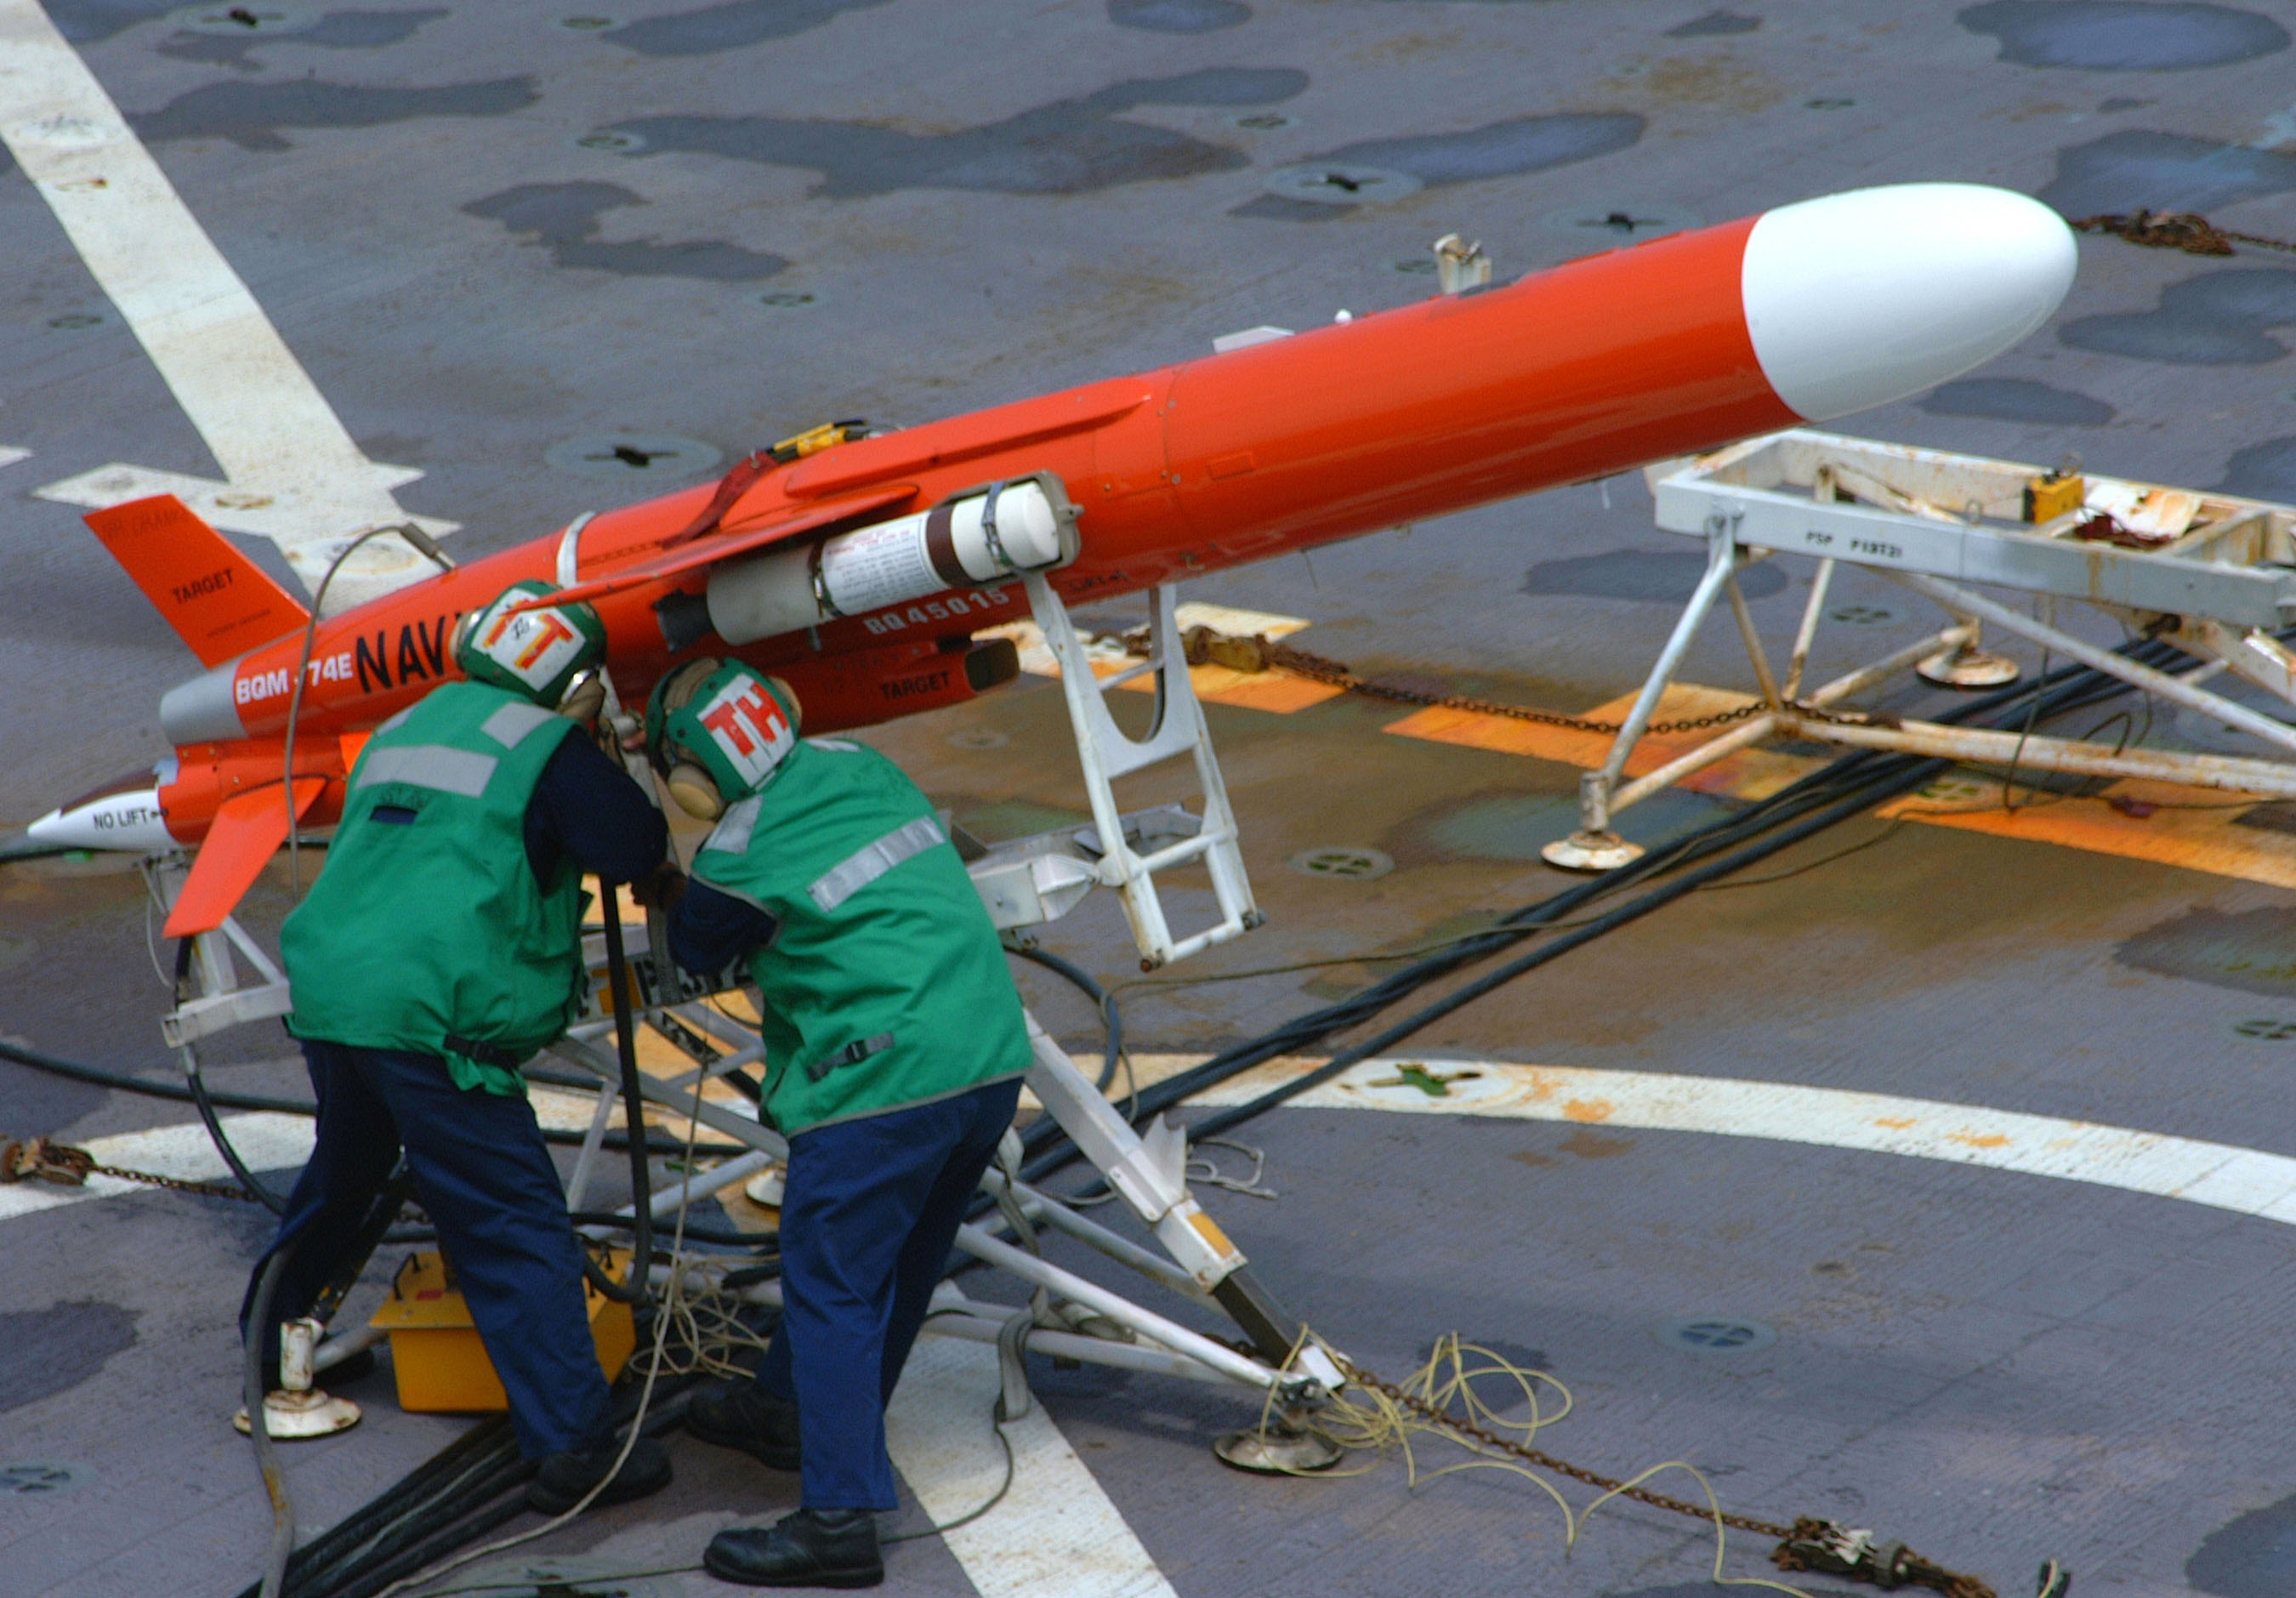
1148, 1173
1595, 847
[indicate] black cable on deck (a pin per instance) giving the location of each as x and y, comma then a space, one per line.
121, 1082
1832, 794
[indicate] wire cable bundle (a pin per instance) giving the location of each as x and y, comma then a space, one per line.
1835, 792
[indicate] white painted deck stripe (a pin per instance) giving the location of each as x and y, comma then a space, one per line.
294, 474
1055, 1535
2222, 1175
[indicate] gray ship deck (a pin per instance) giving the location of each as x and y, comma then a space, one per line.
806, 208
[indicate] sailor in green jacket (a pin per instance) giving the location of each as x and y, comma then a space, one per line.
895, 1046
439, 950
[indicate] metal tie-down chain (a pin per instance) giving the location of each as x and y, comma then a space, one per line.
2187, 231
1807, 1544
37, 1159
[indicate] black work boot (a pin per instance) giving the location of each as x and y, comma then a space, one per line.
742, 1415
565, 1477
808, 1548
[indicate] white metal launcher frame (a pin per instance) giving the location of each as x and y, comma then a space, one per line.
2217, 586
1023, 883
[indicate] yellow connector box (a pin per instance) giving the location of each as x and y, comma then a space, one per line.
441, 1362
2049, 497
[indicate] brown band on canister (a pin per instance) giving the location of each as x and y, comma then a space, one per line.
940, 548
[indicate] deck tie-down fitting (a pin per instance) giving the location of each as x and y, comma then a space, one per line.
1837, 1550
1435, 1085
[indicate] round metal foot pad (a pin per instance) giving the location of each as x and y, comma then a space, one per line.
1590, 851
1275, 1453
293, 1417
1967, 669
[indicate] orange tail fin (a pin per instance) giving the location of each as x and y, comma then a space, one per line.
219, 602
247, 831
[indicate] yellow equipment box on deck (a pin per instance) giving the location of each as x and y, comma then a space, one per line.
436, 1352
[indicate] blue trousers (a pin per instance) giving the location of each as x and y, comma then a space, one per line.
869, 1213
483, 1172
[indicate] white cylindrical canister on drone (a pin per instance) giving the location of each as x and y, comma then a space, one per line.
1025, 524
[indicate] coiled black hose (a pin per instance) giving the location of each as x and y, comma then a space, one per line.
258, 1427
1112, 1019
464, 1491
197, 1081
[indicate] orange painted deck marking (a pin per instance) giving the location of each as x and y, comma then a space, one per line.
1749, 775
2194, 828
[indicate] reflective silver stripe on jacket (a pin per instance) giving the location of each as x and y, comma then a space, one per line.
393, 724
730, 835
437, 765
864, 867
509, 725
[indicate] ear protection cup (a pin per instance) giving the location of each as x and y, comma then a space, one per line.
585, 696
676, 691
692, 786
694, 792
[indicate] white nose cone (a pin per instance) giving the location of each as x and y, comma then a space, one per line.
1860, 299
115, 821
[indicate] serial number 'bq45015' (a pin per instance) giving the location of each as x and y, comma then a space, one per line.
980, 602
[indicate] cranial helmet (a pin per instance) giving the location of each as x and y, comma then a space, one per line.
716, 730
539, 653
